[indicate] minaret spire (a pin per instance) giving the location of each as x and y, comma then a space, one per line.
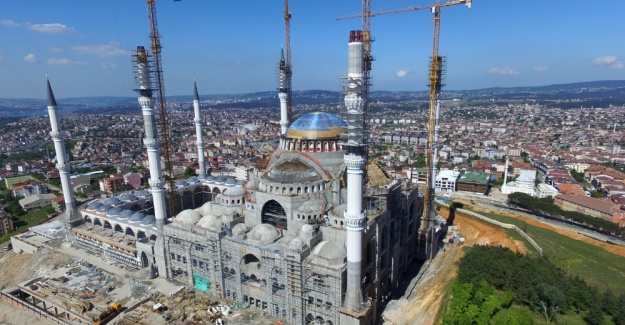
198, 132
283, 85
62, 163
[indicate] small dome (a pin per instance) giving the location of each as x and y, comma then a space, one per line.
125, 214
192, 180
136, 217
317, 126
210, 179
188, 217
220, 180
210, 222
230, 182
127, 197
148, 220
311, 206
234, 192
307, 228
329, 250
112, 201
113, 212
181, 183
94, 205
240, 229
104, 208
143, 193
206, 208
264, 232
296, 243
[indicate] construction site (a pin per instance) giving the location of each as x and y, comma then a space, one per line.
318, 234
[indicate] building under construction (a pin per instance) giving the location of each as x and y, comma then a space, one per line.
317, 235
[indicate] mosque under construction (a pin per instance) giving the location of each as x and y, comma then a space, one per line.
317, 235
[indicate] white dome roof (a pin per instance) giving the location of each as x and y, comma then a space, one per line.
188, 217
210, 222
240, 229
234, 192
330, 250
307, 228
264, 232
296, 243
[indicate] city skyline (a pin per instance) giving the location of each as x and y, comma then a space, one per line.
235, 47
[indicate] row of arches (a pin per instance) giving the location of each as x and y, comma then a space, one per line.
127, 230
297, 190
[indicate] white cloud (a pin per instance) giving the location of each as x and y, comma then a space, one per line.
30, 58
9, 23
108, 66
540, 68
503, 70
54, 28
608, 61
102, 50
402, 72
64, 61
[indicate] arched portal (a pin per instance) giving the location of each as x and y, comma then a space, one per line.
130, 232
107, 225
273, 214
97, 222
187, 200
198, 197
118, 228
140, 234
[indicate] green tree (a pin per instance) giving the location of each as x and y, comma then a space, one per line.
188, 172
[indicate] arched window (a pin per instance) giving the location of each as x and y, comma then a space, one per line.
273, 213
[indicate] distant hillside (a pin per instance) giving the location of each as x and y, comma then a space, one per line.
600, 93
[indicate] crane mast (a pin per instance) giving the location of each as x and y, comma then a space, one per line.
155, 44
288, 68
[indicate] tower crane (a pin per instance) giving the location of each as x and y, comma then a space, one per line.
155, 45
435, 78
288, 68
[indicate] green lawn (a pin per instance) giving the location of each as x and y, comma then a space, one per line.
22, 223
595, 265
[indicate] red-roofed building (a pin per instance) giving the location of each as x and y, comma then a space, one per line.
600, 208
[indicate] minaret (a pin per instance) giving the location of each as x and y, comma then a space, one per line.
62, 163
354, 161
283, 94
505, 176
198, 132
151, 143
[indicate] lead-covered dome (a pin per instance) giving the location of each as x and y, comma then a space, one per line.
317, 126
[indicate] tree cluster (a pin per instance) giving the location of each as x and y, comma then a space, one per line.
546, 206
490, 279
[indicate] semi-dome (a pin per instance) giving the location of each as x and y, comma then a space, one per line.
188, 217
125, 214
264, 232
210, 222
329, 250
310, 206
317, 126
234, 192
292, 171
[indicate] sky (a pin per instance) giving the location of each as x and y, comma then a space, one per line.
232, 47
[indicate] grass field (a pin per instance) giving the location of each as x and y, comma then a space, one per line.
22, 223
595, 265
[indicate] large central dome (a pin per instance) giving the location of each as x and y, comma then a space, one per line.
317, 126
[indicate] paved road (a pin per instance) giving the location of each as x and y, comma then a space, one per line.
500, 204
